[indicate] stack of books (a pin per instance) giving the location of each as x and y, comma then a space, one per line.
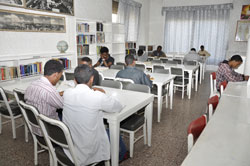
31, 69
66, 63
100, 38
83, 27
85, 39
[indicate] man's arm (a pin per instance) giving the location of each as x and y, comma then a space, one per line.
56, 100
146, 80
110, 104
231, 75
98, 62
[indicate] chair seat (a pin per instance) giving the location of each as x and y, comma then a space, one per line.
62, 156
14, 107
133, 122
179, 81
41, 140
154, 91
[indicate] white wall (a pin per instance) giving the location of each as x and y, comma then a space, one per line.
156, 21
22, 43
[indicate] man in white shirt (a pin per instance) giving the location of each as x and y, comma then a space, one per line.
83, 114
192, 56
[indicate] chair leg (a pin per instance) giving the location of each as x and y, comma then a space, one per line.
35, 152
131, 143
13, 124
183, 92
0, 123
26, 133
145, 133
107, 163
166, 100
51, 161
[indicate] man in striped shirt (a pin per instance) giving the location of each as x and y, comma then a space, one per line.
42, 93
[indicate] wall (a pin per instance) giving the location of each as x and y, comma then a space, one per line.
24, 43
156, 21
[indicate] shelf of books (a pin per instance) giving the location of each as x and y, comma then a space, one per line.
118, 42
22, 67
90, 37
130, 48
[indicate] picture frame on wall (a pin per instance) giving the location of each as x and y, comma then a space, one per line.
30, 22
242, 30
16, 3
55, 6
245, 12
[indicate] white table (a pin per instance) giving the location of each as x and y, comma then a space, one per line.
188, 68
225, 140
158, 79
133, 101
237, 89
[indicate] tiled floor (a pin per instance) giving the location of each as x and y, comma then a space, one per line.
169, 137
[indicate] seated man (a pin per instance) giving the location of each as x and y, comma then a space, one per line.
226, 71
141, 56
130, 72
159, 53
105, 60
88, 61
83, 114
42, 93
192, 56
203, 52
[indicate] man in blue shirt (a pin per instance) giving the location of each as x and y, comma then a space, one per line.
130, 72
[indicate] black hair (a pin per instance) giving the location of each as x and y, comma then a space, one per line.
104, 50
193, 49
53, 66
140, 52
159, 47
82, 74
202, 46
236, 58
86, 59
129, 59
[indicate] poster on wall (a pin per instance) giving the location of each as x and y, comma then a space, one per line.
28, 22
245, 13
56, 6
19, 3
242, 30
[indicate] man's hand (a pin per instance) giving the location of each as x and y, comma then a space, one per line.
61, 93
246, 78
98, 89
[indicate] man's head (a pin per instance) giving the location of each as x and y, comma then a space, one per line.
53, 71
84, 75
202, 48
104, 53
86, 61
159, 48
193, 49
235, 61
130, 60
140, 52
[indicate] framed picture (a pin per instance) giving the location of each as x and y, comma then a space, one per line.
242, 30
56, 6
17, 3
29, 22
245, 12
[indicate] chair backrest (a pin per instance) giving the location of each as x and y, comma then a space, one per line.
141, 67
179, 61
125, 82
194, 130
192, 63
223, 85
172, 62
212, 104
176, 71
69, 76
117, 67
111, 84
4, 99
138, 88
155, 67
101, 78
161, 71
58, 133
120, 63
19, 95
164, 60
156, 61
150, 59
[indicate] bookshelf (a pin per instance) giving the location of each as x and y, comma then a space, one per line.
118, 42
23, 66
90, 37
130, 48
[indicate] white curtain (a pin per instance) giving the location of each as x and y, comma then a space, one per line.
129, 15
192, 26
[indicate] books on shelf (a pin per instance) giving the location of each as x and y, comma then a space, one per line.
130, 45
82, 50
85, 39
99, 26
66, 62
31, 69
98, 48
100, 38
82, 27
7, 73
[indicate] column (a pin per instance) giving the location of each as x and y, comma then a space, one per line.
247, 64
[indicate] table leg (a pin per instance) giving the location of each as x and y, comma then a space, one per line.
201, 71
171, 91
114, 128
196, 79
189, 83
149, 116
159, 97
